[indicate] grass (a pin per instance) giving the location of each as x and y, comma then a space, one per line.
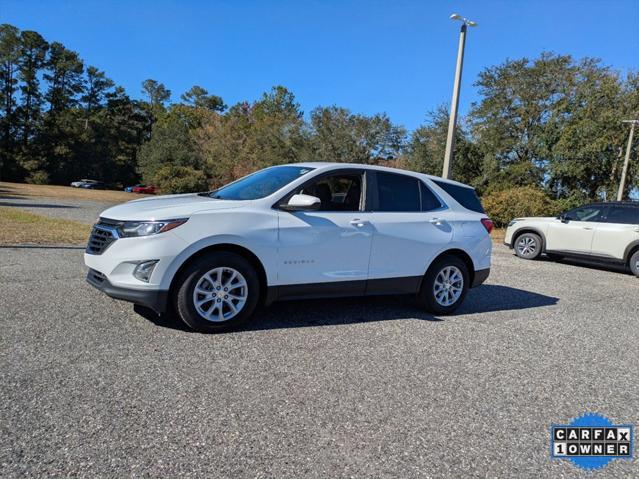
21, 227
25, 190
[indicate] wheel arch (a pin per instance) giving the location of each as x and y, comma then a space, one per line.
528, 229
459, 253
228, 248
631, 249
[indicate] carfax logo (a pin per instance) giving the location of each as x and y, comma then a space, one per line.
591, 441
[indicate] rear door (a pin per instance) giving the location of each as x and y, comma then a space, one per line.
619, 229
575, 233
410, 226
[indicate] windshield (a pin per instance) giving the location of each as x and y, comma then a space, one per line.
260, 184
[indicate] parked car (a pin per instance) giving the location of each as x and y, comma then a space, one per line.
93, 185
149, 190
81, 183
606, 232
129, 189
293, 231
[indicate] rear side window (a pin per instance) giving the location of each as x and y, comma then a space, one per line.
397, 192
464, 195
627, 215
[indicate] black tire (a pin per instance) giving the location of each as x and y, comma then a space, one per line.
528, 246
184, 293
634, 263
426, 297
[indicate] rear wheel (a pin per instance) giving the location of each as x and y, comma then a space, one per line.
218, 293
528, 246
445, 285
634, 263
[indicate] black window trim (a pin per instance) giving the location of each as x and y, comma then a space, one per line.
374, 196
364, 196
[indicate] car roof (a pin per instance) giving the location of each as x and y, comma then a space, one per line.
617, 203
325, 165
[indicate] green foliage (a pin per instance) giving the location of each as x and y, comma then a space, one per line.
338, 135
199, 97
504, 205
180, 179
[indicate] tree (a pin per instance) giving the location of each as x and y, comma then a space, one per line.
427, 146
97, 86
32, 60
158, 94
9, 56
339, 135
64, 75
200, 98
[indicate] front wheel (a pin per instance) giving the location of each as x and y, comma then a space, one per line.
634, 263
528, 246
445, 285
218, 293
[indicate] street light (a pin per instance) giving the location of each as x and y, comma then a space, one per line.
452, 122
624, 172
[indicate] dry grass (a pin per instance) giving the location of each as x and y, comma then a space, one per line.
498, 235
20, 227
24, 190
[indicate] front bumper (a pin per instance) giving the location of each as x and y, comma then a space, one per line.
154, 299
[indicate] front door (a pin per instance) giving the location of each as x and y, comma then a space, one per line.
332, 244
574, 233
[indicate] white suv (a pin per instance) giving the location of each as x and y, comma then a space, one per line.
606, 232
293, 231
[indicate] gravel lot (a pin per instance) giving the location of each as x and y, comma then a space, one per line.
335, 388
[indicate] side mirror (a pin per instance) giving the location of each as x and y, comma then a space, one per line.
563, 218
302, 203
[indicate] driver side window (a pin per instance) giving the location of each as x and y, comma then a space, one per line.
586, 213
337, 192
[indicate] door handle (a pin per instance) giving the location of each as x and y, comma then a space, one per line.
587, 227
359, 223
436, 221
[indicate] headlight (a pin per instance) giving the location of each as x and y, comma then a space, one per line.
145, 228
512, 223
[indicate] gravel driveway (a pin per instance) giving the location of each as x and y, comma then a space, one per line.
332, 388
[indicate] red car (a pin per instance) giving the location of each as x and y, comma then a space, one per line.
149, 190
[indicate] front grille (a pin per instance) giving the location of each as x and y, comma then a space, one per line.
96, 277
101, 238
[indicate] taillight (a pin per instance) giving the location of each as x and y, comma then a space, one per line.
488, 224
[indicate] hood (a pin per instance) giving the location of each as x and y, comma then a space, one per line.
167, 207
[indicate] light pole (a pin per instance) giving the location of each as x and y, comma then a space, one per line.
452, 122
624, 172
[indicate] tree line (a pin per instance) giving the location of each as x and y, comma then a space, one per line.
552, 123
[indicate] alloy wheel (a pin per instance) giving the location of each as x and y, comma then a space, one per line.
527, 246
220, 294
448, 286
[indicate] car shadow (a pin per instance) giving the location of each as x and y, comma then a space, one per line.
34, 205
343, 311
590, 264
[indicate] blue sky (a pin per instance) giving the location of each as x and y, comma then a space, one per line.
369, 56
